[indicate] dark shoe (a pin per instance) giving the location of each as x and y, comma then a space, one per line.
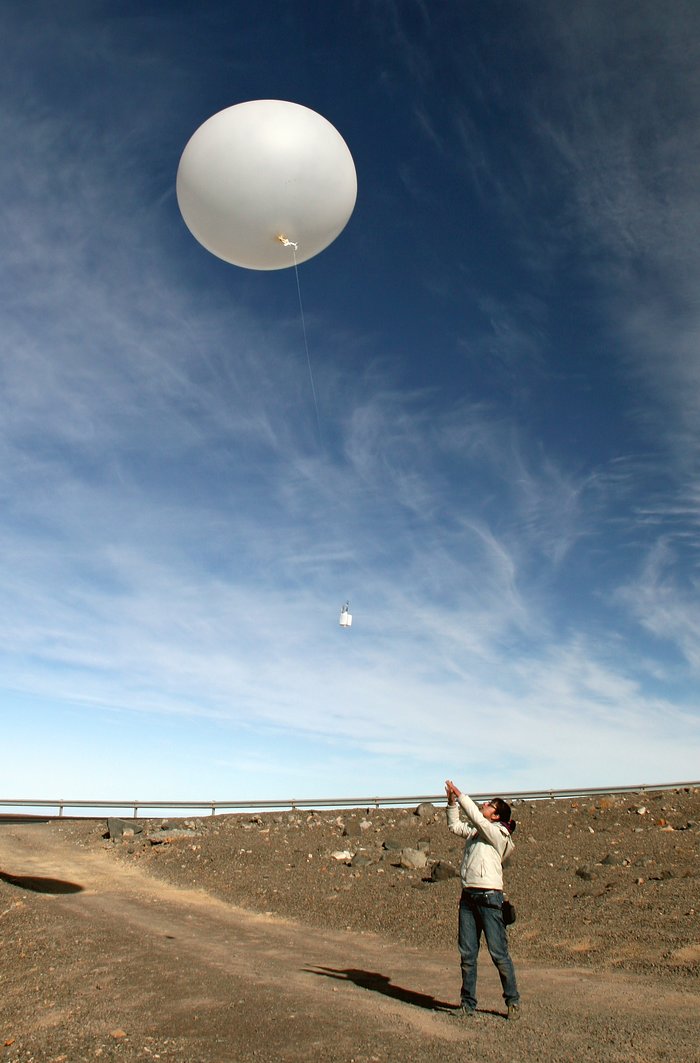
463, 1012
513, 1012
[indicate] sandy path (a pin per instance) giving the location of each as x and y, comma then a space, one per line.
184, 975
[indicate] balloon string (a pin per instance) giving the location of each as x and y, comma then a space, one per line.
306, 342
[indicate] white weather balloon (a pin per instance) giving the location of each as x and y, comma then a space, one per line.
260, 177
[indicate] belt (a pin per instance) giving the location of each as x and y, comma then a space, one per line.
482, 897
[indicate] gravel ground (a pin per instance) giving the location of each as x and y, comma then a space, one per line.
149, 946
609, 883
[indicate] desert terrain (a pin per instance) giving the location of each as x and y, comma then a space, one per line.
330, 936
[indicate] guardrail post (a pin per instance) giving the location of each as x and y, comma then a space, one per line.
136, 809
60, 808
213, 808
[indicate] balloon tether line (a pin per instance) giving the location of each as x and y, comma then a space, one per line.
290, 243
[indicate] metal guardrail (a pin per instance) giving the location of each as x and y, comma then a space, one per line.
214, 807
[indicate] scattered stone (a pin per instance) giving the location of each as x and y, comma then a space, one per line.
392, 844
413, 859
443, 870
585, 873
612, 860
117, 828
361, 859
343, 855
170, 834
351, 829
425, 810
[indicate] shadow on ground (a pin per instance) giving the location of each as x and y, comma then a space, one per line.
40, 885
381, 983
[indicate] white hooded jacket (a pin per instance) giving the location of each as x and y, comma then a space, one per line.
488, 846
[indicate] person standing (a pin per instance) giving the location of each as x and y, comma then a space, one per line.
489, 845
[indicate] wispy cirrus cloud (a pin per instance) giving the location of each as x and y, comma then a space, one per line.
178, 537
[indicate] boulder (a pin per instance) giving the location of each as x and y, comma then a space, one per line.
361, 859
117, 828
413, 859
392, 844
442, 870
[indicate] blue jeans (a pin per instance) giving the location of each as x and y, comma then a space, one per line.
480, 910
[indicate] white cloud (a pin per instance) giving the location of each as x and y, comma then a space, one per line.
177, 541
664, 598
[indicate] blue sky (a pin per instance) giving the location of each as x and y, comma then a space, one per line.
503, 475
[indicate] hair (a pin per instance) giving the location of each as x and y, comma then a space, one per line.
503, 812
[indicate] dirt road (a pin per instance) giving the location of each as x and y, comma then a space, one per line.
102, 960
